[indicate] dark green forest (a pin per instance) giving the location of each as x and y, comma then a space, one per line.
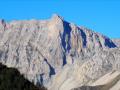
11, 79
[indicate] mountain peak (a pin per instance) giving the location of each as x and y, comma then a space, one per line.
56, 17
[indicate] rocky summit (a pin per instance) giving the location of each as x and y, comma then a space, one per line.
60, 55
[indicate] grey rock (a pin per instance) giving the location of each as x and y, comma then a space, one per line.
57, 54
110, 81
116, 41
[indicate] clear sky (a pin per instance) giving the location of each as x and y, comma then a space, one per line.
102, 16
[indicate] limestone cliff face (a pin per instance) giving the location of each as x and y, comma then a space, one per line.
56, 53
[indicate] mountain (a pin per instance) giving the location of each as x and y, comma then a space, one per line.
11, 79
57, 54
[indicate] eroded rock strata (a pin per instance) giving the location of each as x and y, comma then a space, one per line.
56, 53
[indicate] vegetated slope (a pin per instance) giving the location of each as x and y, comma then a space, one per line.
57, 54
11, 79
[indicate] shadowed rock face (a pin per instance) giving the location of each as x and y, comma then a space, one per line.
116, 41
56, 53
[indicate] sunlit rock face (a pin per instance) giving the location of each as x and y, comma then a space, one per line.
56, 53
110, 81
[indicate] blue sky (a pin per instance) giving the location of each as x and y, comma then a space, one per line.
102, 16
